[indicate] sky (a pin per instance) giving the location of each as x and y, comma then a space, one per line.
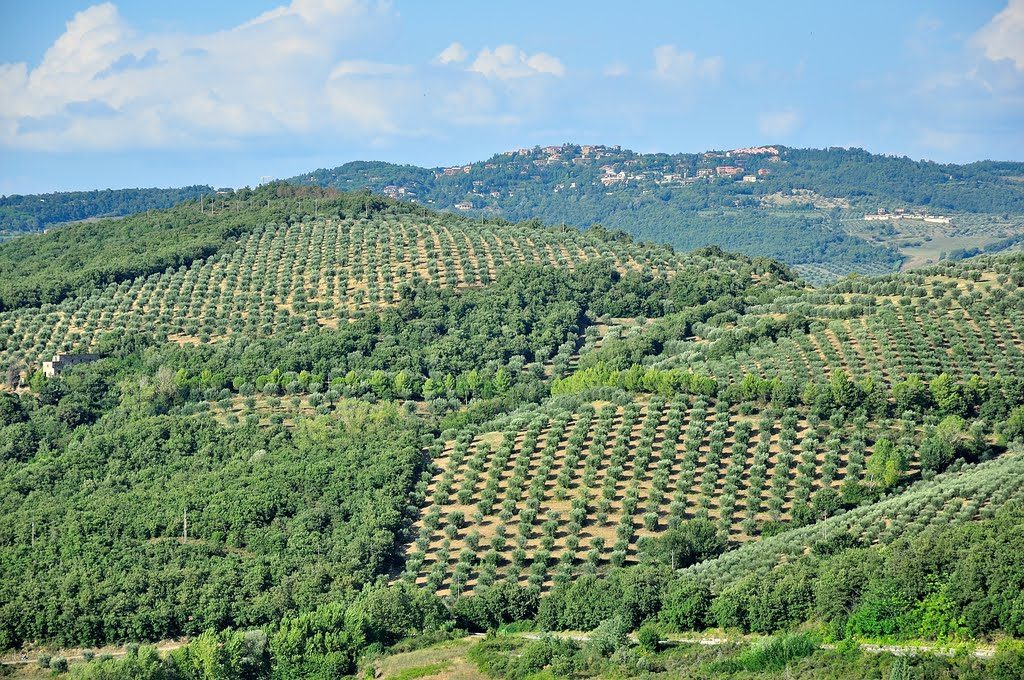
140, 93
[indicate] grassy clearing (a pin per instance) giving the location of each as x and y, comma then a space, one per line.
445, 661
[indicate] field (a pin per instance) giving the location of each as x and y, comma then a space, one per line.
925, 243
445, 661
822, 273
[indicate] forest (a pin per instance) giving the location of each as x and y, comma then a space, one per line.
35, 212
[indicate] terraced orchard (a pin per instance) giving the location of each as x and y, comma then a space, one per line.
306, 275
963, 320
575, 490
953, 497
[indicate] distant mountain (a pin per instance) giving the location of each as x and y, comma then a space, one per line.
806, 207
34, 212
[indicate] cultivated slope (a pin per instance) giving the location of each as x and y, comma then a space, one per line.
961, 319
309, 274
954, 497
786, 413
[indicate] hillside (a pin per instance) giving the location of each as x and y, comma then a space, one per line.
47, 268
931, 506
583, 488
310, 410
805, 207
944, 319
35, 212
250, 275
708, 428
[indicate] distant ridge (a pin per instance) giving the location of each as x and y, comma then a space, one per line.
805, 207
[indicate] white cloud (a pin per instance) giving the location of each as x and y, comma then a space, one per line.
507, 62
292, 73
453, 54
941, 140
1003, 37
616, 69
358, 67
674, 65
103, 85
776, 124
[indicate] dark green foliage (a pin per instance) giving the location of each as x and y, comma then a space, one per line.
11, 411
883, 610
634, 595
687, 605
648, 637
389, 614
948, 441
500, 604
1009, 660
778, 601
956, 582
1013, 429
226, 656
610, 636
580, 605
643, 590
691, 542
37, 211
321, 504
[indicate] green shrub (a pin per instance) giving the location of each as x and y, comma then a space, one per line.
609, 637
900, 669
1008, 663
884, 610
649, 636
775, 653
535, 656
687, 605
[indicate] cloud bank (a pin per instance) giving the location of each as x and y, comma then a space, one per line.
1003, 37
294, 70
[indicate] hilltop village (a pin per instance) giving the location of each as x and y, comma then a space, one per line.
590, 165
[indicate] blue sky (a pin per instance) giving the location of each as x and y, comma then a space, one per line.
163, 94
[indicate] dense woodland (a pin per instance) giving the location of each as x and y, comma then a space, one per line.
36, 212
544, 430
